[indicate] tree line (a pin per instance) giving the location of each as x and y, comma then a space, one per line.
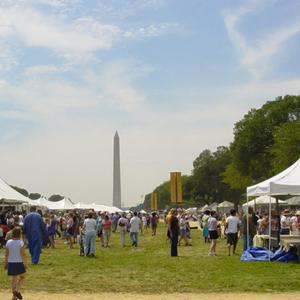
266, 141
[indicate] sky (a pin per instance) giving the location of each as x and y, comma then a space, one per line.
171, 76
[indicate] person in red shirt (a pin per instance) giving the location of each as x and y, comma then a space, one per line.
106, 230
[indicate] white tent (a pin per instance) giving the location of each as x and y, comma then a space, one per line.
203, 208
9, 195
225, 204
64, 204
285, 183
42, 202
116, 209
263, 200
191, 210
81, 205
294, 201
212, 206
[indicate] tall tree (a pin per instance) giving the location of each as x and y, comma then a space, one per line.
286, 148
254, 138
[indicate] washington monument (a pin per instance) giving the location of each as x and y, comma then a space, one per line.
117, 173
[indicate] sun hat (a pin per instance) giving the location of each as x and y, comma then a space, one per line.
286, 212
297, 213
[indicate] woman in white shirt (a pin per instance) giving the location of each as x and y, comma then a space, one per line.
89, 226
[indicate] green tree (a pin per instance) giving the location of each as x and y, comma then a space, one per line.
207, 181
20, 190
55, 198
34, 196
254, 138
286, 148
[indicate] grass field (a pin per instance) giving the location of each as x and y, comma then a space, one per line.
150, 269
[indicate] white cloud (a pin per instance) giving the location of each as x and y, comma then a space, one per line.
151, 30
112, 89
45, 69
256, 59
117, 84
82, 35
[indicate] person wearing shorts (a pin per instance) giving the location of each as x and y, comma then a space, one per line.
232, 226
212, 224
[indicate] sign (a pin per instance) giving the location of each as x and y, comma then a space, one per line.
153, 201
176, 187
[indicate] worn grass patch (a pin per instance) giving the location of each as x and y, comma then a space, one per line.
150, 269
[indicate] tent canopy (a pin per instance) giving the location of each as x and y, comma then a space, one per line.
10, 195
263, 200
285, 183
294, 201
225, 204
64, 204
81, 205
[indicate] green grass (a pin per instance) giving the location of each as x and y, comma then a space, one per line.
150, 269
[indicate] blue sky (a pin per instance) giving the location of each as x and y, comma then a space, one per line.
171, 76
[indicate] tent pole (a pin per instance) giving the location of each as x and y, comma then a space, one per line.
270, 225
278, 221
247, 214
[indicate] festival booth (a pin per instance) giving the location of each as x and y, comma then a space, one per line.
286, 182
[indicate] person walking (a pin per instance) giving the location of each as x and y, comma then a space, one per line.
106, 230
173, 229
123, 223
15, 262
213, 233
204, 226
153, 221
135, 224
89, 226
183, 230
34, 230
70, 230
232, 227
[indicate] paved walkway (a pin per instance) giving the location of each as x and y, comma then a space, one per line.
5, 295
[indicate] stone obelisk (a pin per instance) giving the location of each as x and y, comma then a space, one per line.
117, 173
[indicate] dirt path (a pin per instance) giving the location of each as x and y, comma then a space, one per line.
5, 295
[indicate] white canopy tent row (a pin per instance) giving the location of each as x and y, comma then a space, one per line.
286, 182
98, 207
66, 204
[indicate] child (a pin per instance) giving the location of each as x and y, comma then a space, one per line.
15, 262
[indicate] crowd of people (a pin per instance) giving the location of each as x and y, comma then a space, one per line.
36, 229
76, 226
234, 225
